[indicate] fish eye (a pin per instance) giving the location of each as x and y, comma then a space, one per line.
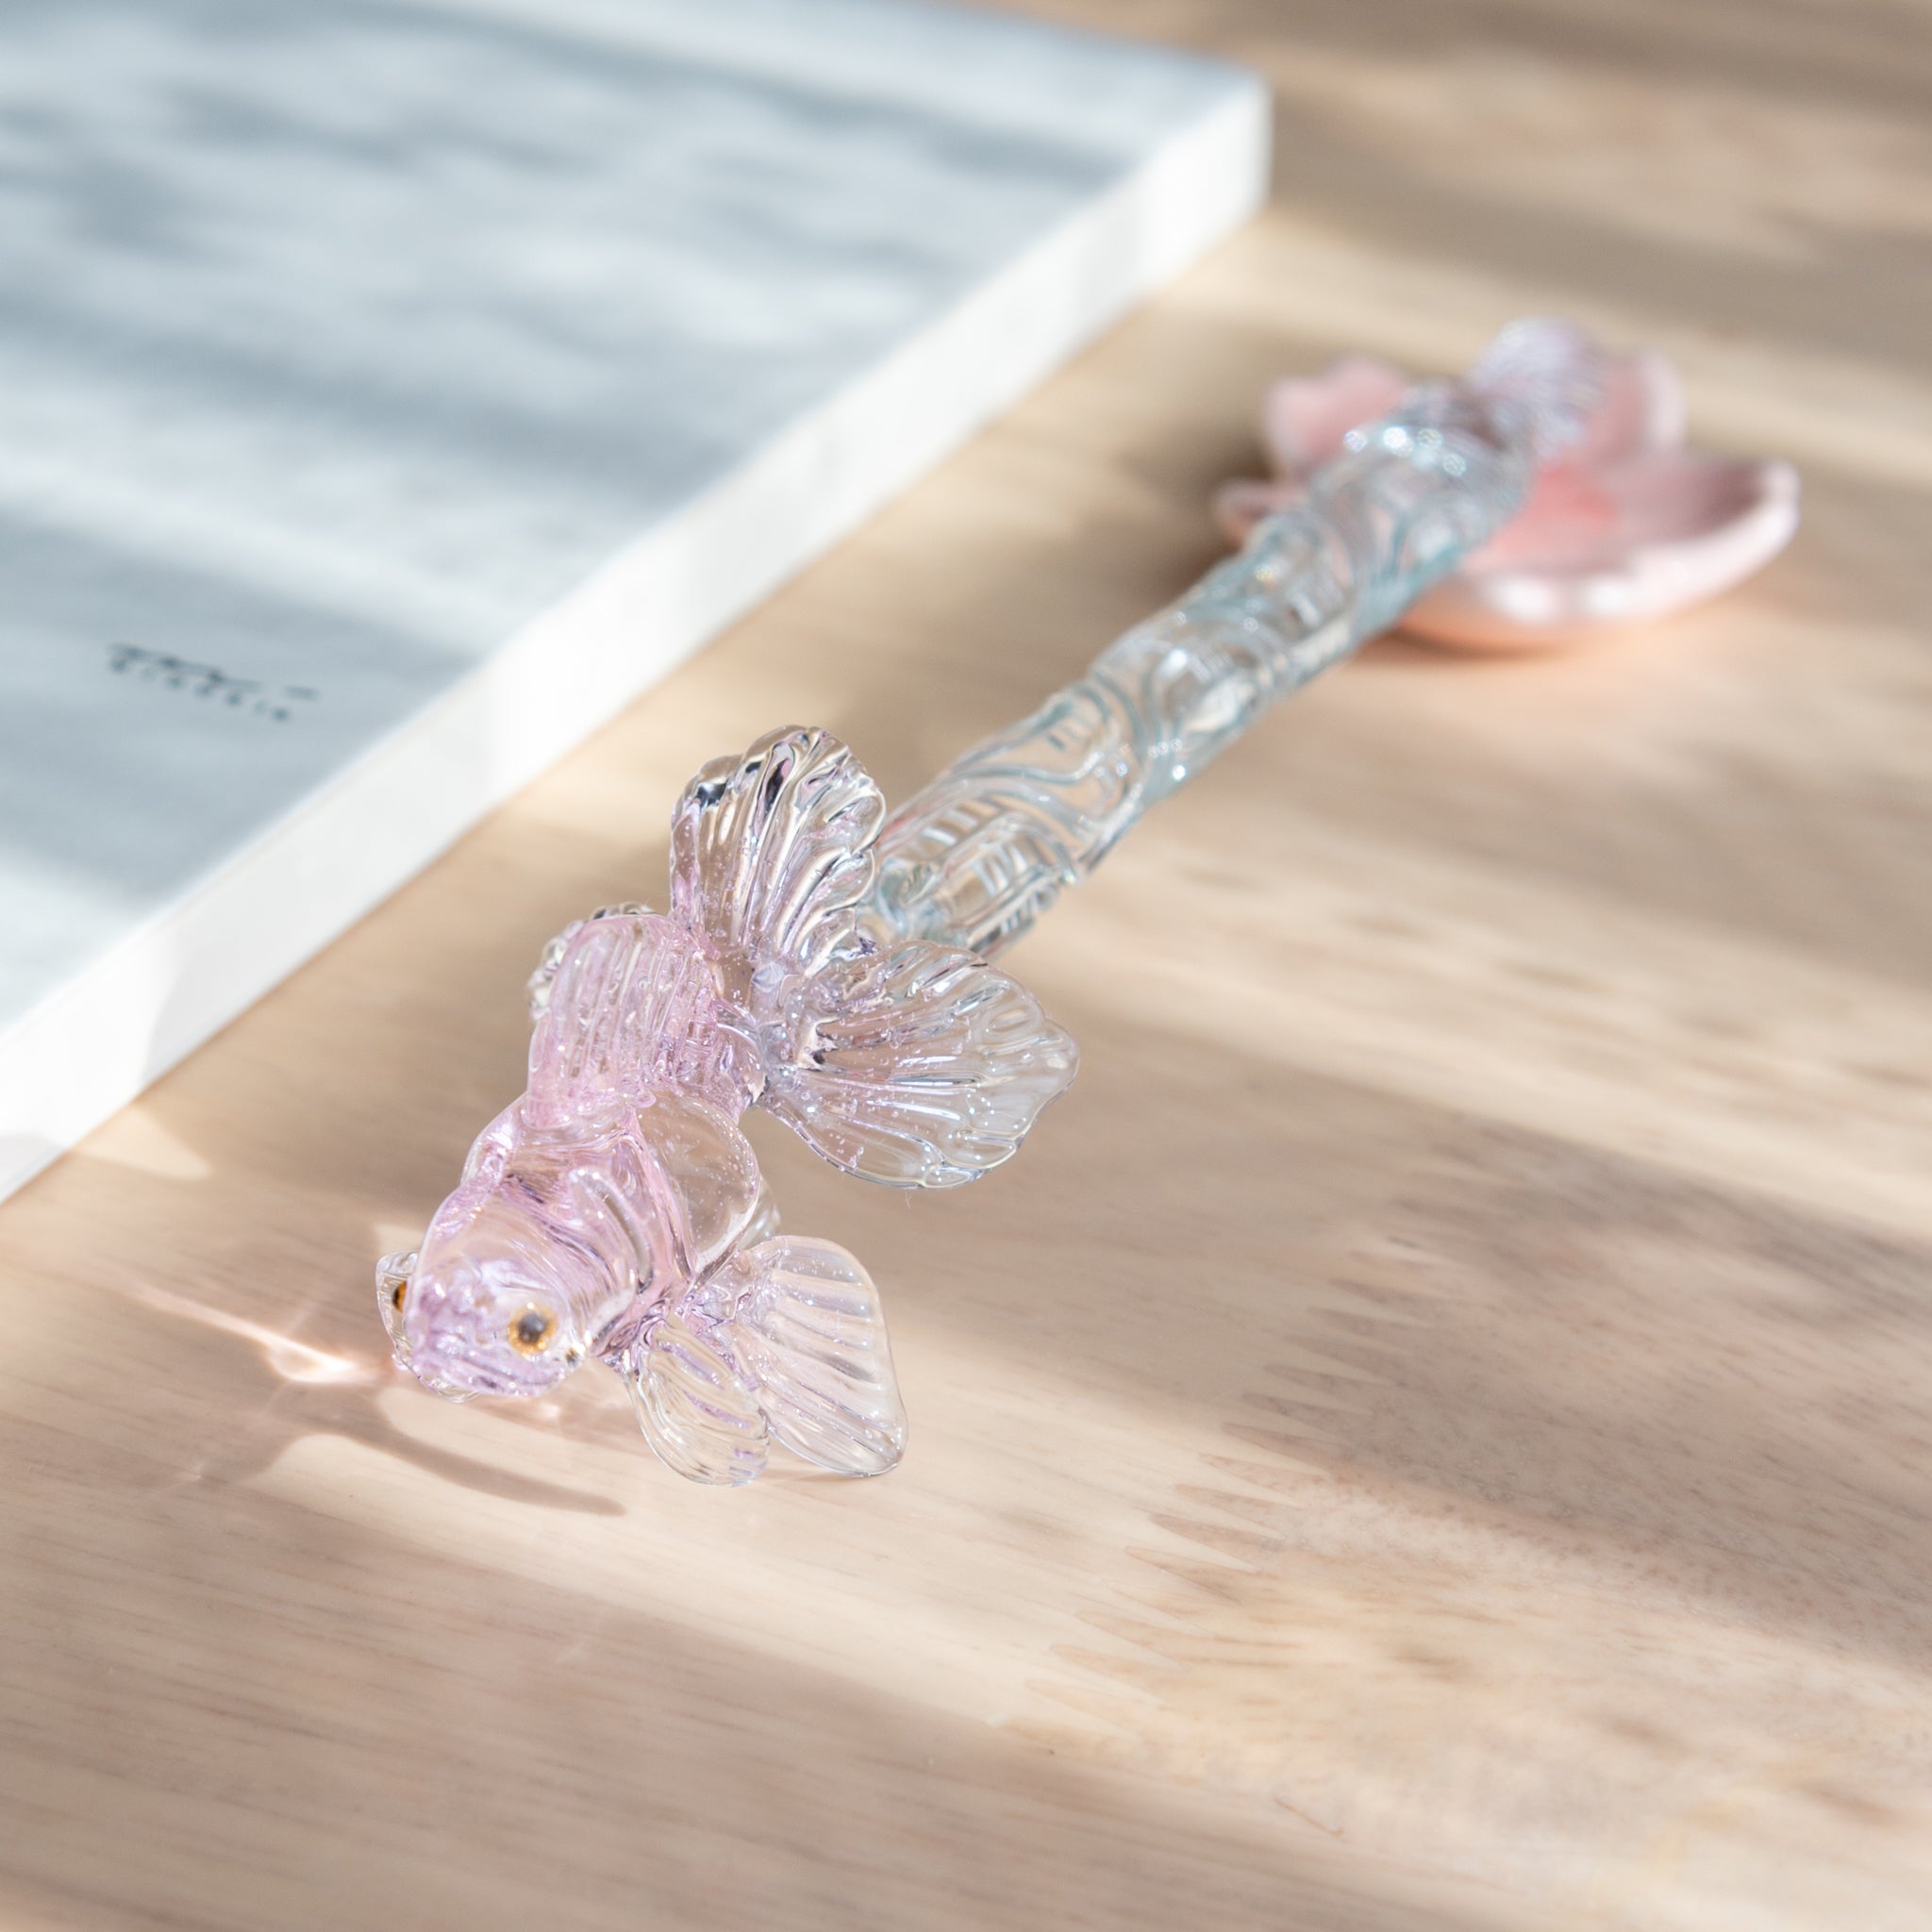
398, 1292
532, 1328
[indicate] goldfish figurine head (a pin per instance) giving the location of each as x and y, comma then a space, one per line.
490, 1311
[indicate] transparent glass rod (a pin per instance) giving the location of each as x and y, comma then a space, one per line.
979, 854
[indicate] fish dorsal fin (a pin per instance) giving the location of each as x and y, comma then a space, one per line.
770, 853
912, 1063
632, 1008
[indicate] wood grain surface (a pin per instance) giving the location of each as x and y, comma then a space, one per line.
1434, 1431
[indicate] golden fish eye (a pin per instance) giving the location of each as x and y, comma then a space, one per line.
397, 1292
530, 1332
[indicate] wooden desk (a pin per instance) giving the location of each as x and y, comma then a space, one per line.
1434, 1431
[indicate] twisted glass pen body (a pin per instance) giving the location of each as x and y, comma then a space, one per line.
979, 854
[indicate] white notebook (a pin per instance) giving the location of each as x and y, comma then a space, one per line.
391, 390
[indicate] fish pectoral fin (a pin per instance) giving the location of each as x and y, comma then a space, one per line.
808, 1330
693, 1404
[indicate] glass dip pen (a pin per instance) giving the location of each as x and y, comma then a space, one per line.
830, 964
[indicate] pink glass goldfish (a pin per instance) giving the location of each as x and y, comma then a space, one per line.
615, 1211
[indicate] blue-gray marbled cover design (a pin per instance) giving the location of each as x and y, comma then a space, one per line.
339, 337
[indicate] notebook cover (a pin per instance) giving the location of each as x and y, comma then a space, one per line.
392, 389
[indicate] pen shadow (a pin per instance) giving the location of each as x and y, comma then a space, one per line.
277, 1390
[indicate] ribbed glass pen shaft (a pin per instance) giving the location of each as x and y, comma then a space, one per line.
979, 854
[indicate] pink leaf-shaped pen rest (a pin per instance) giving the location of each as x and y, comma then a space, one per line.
1627, 523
